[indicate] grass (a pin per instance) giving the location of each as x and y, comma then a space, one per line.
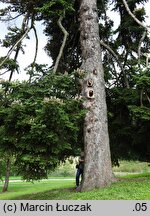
50, 177
19, 189
130, 187
140, 176
132, 167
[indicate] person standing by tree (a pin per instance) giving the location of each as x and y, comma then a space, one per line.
80, 168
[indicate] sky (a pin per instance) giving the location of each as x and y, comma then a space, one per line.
27, 58
42, 58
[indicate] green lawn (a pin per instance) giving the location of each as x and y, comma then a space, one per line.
131, 187
18, 189
132, 167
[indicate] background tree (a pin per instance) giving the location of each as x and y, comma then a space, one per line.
40, 123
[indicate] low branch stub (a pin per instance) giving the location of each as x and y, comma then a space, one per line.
90, 82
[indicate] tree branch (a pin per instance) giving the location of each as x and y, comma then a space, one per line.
15, 58
63, 43
11, 18
147, 58
25, 23
36, 48
141, 97
141, 24
139, 47
148, 98
109, 49
133, 16
117, 58
4, 72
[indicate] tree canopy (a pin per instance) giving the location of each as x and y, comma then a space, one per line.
40, 123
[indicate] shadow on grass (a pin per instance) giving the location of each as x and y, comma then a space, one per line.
54, 194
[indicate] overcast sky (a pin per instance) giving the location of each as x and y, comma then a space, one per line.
42, 58
27, 58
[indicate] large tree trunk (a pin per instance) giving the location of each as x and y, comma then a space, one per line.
98, 168
7, 175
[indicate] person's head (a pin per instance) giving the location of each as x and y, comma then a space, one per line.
82, 154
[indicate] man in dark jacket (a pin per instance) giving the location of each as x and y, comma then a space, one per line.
80, 168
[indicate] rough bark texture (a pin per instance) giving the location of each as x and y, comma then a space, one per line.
98, 169
5, 187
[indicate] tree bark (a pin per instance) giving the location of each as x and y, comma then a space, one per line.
5, 187
98, 168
